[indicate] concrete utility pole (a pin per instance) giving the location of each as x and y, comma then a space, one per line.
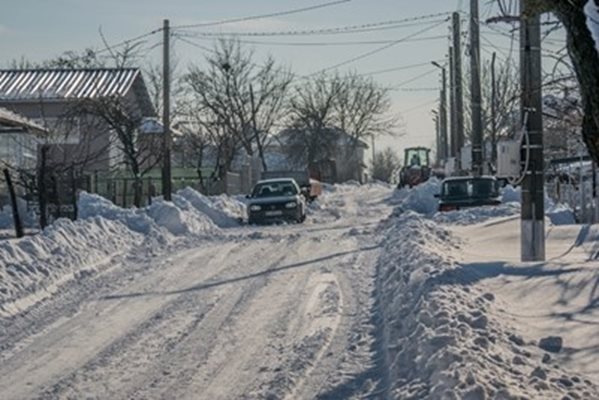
477, 132
533, 208
166, 115
493, 114
437, 136
451, 87
443, 110
457, 88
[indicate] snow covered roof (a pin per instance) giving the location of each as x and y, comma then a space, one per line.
11, 119
72, 84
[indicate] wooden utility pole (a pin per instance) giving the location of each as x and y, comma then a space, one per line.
533, 208
458, 97
166, 115
477, 133
493, 113
13, 202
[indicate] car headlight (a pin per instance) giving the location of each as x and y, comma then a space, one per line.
255, 207
291, 204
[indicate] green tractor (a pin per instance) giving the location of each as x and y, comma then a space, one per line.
416, 169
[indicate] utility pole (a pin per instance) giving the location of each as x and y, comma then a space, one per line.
493, 114
458, 97
533, 208
452, 146
166, 115
437, 136
477, 134
443, 110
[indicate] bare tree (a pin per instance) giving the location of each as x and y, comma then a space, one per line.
362, 108
327, 105
247, 100
384, 165
311, 135
582, 51
140, 149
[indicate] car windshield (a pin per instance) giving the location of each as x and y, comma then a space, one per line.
470, 188
274, 189
455, 189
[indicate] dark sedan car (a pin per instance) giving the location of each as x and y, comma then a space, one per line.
276, 200
467, 191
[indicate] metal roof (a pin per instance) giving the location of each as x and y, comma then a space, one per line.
31, 84
11, 120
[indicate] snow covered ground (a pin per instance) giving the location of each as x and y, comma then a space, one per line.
375, 296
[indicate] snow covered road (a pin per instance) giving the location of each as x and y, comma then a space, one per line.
257, 312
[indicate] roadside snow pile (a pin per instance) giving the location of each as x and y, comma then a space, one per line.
223, 210
510, 194
178, 218
420, 199
445, 338
475, 215
34, 267
561, 214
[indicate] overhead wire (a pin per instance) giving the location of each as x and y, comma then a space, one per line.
263, 16
322, 44
360, 28
377, 50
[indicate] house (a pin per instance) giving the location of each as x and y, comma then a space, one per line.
332, 156
19, 138
49, 96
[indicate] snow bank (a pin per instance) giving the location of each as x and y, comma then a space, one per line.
477, 215
178, 218
223, 210
34, 267
446, 338
420, 199
560, 214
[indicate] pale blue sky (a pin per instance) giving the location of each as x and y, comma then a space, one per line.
40, 29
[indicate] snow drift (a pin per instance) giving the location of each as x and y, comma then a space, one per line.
34, 267
445, 337
179, 217
420, 199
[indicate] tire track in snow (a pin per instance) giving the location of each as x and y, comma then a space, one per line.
77, 341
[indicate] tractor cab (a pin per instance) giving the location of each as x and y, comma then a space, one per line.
416, 167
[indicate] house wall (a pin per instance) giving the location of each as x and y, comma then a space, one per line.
87, 144
350, 163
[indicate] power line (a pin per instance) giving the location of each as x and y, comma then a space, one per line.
382, 71
128, 41
322, 44
263, 16
419, 76
419, 106
378, 50
391, 24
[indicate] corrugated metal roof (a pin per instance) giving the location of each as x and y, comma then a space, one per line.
12, 119
65, 83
